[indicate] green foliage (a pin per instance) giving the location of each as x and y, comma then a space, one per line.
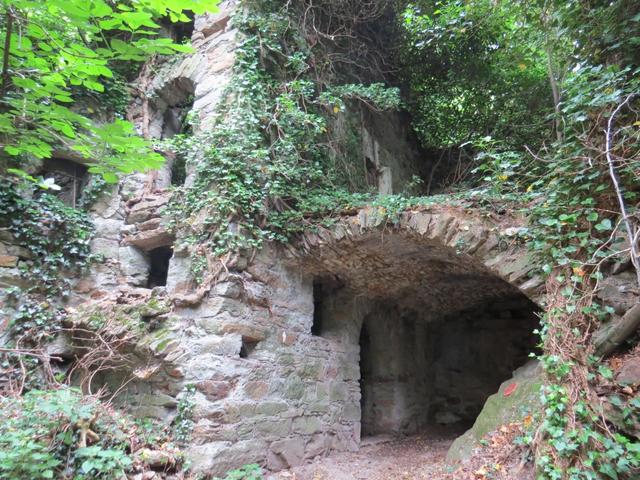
57, 239
481, 77
266, 172
47, 60
247, 472
183, 423
475, 69
376, 95
43, 436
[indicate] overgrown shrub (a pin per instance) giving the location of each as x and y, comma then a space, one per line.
62, 434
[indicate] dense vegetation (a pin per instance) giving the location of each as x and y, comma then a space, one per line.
63, 89
531, 106
539, 100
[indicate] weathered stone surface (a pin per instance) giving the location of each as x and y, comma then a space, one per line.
611, 335
256, 390
8, 261
620, 291
439, 293
629, 373
501, 408
214, 390
285, 454
220, 345
108, 248
135, 265
150, 239
248, 332
146, 209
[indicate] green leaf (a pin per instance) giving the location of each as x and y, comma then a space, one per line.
604, 225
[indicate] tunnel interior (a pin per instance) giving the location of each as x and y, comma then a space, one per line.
415, 374
435, 334
159, 259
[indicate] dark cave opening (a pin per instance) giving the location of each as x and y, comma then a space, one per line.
247, 347
179, 32
418, 374
71, 177
422, 335
159, 266
171, 117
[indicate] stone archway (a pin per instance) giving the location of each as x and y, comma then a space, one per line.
437, 310
275, 350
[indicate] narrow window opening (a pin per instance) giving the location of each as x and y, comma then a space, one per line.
178, 170
159, 266
70, 176
365, 372
248, 346
372, 172
316, 327
174, 107
179, 32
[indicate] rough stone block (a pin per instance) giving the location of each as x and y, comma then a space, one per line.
307, 425
338, 392
294, 388
256, 390
319, 444
351, 413
150, 239
107, 228
285, 453
146, 209
274, 429
228, 345
214, 390
8, 261
271, 409
249, 333
204, 457
134, 265
110, 249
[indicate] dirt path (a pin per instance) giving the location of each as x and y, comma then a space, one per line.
418, 457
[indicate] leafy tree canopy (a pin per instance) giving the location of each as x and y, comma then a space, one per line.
52, 49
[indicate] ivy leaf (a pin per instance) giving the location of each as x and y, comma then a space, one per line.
604, 225
608, 470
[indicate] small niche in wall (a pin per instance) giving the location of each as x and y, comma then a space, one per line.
179, 32
70, 176
372, 172
323, 288
171, 117
159, 266
248, 346
316, 327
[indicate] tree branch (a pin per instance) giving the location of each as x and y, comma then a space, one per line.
616, 184
7, 49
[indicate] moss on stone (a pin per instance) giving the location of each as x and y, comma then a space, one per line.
500, 409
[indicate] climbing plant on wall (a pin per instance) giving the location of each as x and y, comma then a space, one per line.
266, 172
566, 152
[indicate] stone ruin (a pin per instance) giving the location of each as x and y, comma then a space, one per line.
365, 328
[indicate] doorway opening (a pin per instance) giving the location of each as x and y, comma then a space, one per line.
159, 266
435, 375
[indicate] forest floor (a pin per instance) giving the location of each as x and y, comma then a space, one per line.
380, 458
418, 457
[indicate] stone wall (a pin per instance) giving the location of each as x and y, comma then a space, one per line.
273, 349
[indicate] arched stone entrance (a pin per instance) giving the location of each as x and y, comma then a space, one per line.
426, 312
368, 327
